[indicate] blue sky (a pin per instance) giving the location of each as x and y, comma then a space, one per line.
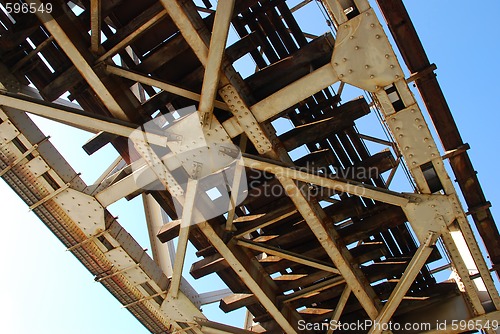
46, 290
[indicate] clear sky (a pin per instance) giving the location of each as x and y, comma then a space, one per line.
47, 291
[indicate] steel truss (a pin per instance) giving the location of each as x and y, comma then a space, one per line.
239, 247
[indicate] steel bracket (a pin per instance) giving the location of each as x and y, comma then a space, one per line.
7, 132
83, 209
363, 56
429, 213
38, 166
246, 119
413, 136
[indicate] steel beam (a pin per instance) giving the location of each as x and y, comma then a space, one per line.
187, 29
182, 243
95, 25
294, 93
351, 187
339, 308
77, 118
130, 38
147, 80
407, 125
264, 297
79, 61
409, 275
218, 41
482, 322
287, 255
154, 221
329, 239
313, 289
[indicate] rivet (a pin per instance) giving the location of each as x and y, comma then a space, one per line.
396, 76
350, 71
367, 14
341, 76
356, 47
401, 136
410, 155
344, 59
377, 36
372, 25
367, 66
346, 26
336, 64
393, 119
387, 56
407, 148
413, 111
417, 120
372, 76
351, 37
398, 128
433, 154
414, 163
392, 66
420, 127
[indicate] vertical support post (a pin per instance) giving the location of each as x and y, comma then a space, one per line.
187, 214
154, 220
215, 54
238, 172
339, 308
95, 25
405, 282
328, 238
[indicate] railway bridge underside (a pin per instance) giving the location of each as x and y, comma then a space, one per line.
310, 231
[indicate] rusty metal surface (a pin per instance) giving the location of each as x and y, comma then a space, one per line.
370, 236
417, 61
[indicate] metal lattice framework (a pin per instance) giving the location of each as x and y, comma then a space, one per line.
335, 243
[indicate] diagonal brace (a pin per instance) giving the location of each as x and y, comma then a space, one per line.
411, 272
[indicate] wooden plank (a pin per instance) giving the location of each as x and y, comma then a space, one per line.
131, 26
272, 78
169, 231
389, 217
315, 131
266, 220
242, 32
208, 265
416, 59
236, 301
